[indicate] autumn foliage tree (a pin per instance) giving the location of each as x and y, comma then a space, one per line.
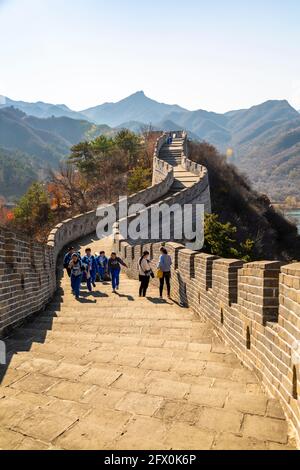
104, 169
6, 215
33, 212
96, 172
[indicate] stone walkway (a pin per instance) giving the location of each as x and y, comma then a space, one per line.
119, 372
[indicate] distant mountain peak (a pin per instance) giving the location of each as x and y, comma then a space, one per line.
284, 104
139, 93
137, 107
138, 96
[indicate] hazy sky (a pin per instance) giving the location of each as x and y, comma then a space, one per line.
210, 54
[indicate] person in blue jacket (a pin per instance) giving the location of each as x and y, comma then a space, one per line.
170, 140
102, 265
114, 268
91, 269
67, 260
76, 269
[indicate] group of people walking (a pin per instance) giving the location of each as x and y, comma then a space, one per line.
86, 269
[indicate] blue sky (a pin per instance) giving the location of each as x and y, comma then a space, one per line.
216, 55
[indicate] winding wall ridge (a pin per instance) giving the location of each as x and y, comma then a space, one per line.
28, 270
254, 307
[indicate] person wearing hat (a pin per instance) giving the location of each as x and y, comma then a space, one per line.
76, 268
67, 260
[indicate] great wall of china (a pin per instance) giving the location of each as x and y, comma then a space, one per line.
253, 308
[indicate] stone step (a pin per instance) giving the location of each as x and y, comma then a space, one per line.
174, 142
71, 304
171, 160
186, 180
204, 351
91, 335
174, 162
188, 366
119, 327
171, 157
116, 311
115, 321
181, 186
167, 154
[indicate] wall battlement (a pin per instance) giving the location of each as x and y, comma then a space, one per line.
254, 307
27, 278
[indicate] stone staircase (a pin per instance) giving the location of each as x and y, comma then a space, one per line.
120, 372
172, 154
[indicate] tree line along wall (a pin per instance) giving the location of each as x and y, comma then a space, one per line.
85, 224
254, 307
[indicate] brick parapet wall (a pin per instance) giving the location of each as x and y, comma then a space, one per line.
254, 307
27, 278
160, 167
199, 193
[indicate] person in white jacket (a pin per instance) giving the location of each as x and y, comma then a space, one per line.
145, 272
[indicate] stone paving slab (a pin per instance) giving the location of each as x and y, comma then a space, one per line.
119, 372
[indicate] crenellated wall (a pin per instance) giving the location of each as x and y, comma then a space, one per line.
28, 276
197, 193
159, 166
254, 307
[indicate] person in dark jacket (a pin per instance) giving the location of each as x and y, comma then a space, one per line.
67, 260
91, 270
114, 268
76, 268
164, 265
102, 265
145, 273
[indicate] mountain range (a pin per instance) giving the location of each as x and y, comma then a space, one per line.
40, 109
263, 141
49, 140
29, 146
